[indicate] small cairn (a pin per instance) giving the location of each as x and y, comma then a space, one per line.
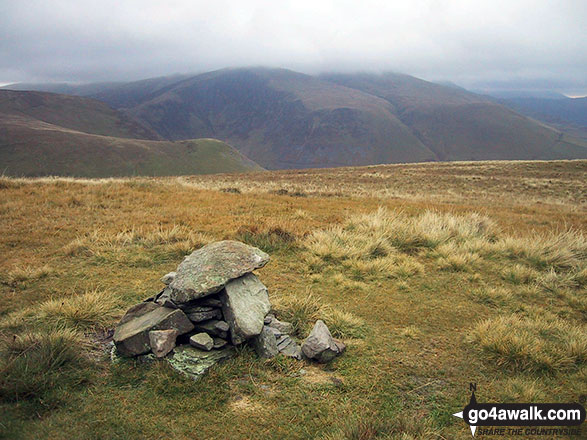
211, 304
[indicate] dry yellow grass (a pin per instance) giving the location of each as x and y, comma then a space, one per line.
404, 262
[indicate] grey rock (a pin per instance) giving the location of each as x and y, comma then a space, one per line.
207, 270
282, 326
268, 319
137, 310
204, 316
162, 341
320, 345
164, 299
213, 327
167, 279
197, 308
131, 335
194, 363
245, 303
288, 347
202, 341
219, 342
276, 332
265, 344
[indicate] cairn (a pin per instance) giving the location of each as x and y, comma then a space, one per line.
212, 303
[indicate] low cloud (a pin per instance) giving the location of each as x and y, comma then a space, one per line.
468, 42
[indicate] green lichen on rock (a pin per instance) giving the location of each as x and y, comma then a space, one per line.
194, 363
208, 269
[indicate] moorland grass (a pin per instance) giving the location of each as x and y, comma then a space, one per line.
471, 282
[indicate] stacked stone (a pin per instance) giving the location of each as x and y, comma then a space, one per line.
210, 304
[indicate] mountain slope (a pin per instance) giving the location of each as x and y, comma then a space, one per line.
459, 125
566, 114
33, 144
282, 119
77, 113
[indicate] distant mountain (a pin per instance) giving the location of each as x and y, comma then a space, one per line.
566, 114
64, 88
459, 125
33, 144
278, 118
511, 94
284, 119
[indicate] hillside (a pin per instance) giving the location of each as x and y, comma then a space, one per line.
283, 119
29, 147
566, 114
459, 125
76, 113
279, 118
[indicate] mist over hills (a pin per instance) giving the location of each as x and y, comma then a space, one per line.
284, 119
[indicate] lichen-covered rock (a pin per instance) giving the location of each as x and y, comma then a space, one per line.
131, 335
164, 299
168, 278
245, 302
207, 270
320, 345
265, 344
203, 341
162, 341
194, 362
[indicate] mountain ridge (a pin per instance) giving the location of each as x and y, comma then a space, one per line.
286, 119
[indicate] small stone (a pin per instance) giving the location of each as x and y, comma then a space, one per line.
204, 316
265, 344
282, 326
276, 332
213, 327
293, 351
288, 347
164, 299
203, 341
320, 345
167, 279
219, 342
162, 341
268, 319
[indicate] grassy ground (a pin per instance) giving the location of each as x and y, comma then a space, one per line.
434, 275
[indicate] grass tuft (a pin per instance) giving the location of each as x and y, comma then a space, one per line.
33, 365
272, 239
536, 343
21, 275
90, 310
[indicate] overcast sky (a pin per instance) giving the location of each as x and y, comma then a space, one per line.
536, 43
